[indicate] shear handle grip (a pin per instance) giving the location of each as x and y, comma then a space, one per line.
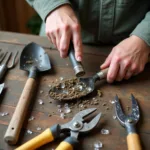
15, 125
133, 142
43, 138
68, 144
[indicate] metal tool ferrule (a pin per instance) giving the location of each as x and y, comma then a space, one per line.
56, 130
130, 127
33, 72
101, 75
77, 66
79, 71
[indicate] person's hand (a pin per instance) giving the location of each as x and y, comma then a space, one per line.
62, 26
126, 59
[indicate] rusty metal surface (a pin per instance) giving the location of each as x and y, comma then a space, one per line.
15, 80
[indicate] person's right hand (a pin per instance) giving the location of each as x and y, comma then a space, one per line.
62, 26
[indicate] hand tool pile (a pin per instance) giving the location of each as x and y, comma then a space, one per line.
4, 59
34, 60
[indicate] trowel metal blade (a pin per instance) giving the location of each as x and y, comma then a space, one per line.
34, 55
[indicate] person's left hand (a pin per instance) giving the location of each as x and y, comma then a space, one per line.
126, 59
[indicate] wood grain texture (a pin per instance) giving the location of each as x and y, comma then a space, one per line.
13, 131
47, 115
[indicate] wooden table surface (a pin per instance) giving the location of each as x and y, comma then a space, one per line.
93, 56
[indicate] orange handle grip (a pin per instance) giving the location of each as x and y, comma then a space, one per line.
43, 138
64, 146
68, 144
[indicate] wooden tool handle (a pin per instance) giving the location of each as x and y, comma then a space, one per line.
43, 138
15, 125
133, 142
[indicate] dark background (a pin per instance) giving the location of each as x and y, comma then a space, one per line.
18, 16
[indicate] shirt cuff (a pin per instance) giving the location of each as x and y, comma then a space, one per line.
43, 8
143, 31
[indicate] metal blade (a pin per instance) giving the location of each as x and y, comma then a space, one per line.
119, 113
1, 87
84, 113
135, 109
89, 126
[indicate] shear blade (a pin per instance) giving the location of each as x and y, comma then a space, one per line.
84, 113
89, 126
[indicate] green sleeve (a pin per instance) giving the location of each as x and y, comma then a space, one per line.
143, 29
44, 7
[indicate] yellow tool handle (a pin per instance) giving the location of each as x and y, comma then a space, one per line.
68, 144
133, 142
43, 138
64, 146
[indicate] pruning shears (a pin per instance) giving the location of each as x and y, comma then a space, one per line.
76, 126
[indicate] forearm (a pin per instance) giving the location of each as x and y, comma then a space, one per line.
143, 29
44, 7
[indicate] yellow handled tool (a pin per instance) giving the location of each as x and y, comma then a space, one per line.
75, 126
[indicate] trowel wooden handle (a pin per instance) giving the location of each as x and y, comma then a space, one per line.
15, 125
133, 142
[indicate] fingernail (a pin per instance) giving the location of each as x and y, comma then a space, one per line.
79, 58
102, 66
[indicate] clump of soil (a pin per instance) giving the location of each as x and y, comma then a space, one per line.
69, 89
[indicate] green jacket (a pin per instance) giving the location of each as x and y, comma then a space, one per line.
104, 21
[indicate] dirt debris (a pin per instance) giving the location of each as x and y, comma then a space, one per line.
68, 89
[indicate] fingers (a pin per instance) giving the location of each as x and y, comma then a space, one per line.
64, 43
77, 42
134, 70
124, 67
61, 39
113, 71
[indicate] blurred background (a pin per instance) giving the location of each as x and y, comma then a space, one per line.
18, 16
